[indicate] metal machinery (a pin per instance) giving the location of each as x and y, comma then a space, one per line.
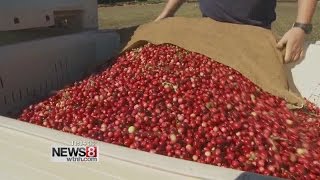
59, 42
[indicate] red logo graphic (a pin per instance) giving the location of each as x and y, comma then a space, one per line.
91, 151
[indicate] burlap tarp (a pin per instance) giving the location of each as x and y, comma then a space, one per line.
250, 50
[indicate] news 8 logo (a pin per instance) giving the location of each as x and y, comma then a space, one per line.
74, 153
91, 151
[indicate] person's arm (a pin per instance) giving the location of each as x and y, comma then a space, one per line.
306, 9
295, 37
170, 9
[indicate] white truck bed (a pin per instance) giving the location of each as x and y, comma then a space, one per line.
26, 149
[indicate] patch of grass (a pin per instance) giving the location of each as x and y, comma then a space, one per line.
131, 15
286, 13
115, 17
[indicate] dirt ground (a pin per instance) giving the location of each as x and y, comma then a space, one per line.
116, 17
131, 15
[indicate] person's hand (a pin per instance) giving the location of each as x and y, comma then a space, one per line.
161, 16
294, 42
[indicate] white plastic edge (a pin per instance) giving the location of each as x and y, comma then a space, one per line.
154, 161
302, 75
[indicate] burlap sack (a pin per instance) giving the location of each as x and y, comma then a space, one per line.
250, 50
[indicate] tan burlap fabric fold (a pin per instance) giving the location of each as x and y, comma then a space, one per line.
250, 50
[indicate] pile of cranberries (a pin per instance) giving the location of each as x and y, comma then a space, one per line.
166, 100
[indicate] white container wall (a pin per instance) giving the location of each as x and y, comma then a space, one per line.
304, 74
26, 151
